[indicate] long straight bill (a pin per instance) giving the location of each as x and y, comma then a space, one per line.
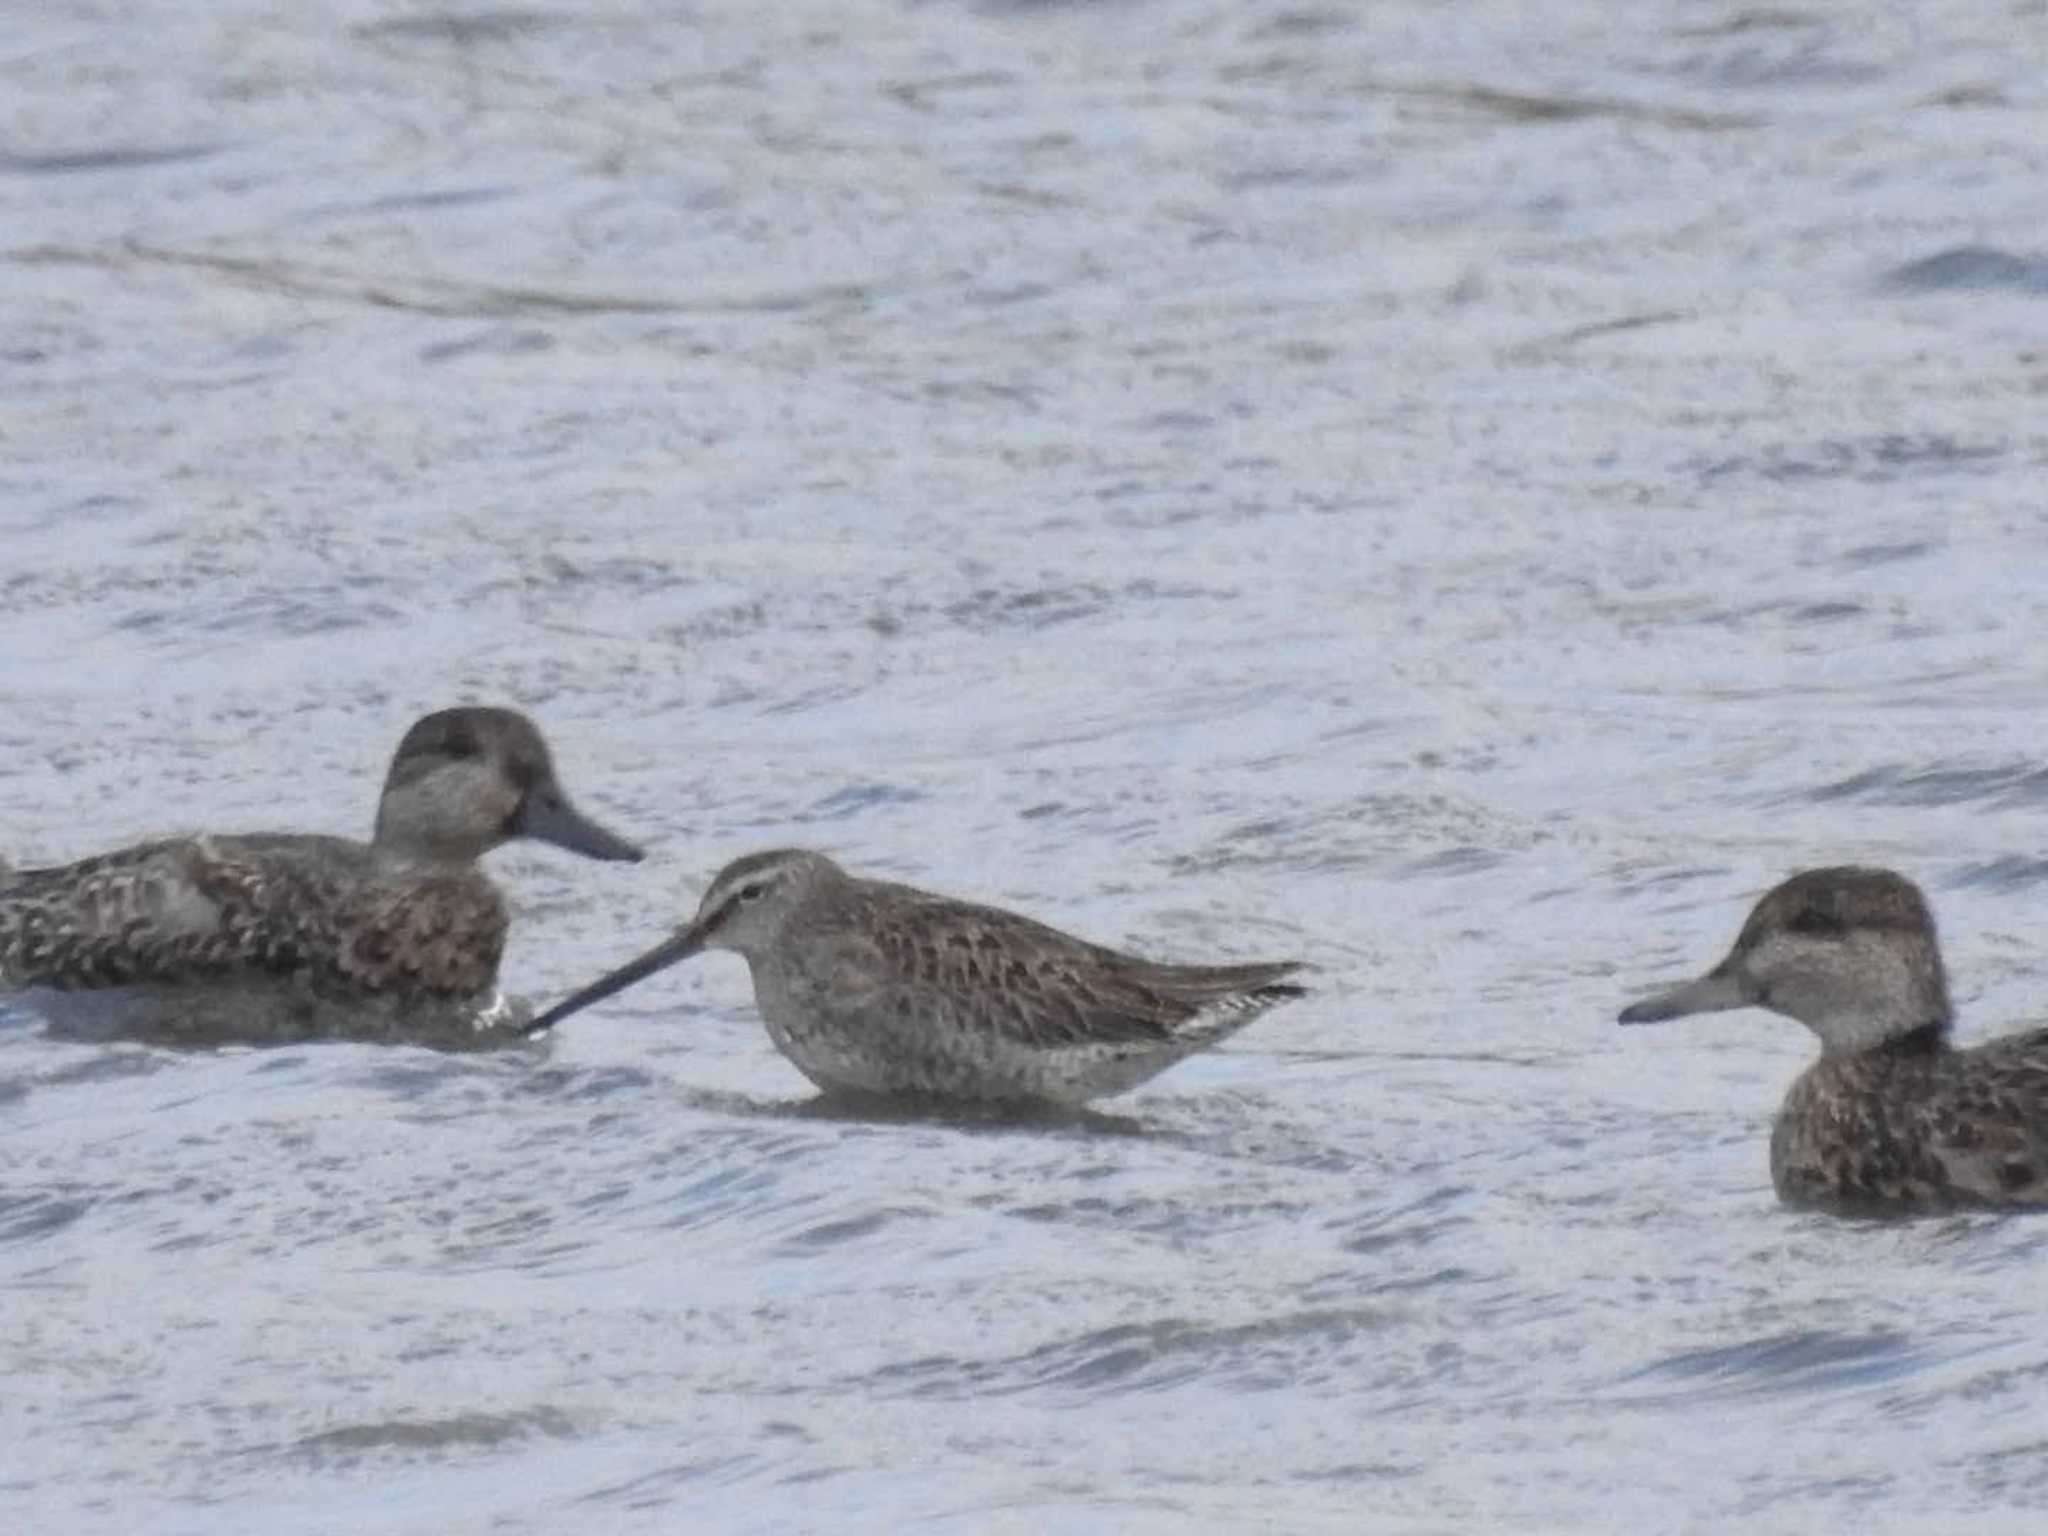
666, 953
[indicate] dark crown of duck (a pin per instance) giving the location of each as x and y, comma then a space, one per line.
465, 780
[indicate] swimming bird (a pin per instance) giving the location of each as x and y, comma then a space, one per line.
872, 988
288, 936
1892, 1119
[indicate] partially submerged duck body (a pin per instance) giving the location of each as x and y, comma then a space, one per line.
272, 937
1893, 1119
1917, 1125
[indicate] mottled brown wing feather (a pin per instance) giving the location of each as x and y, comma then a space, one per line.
156, 912
1988, 1121
443, 935
195, 909
1057, 989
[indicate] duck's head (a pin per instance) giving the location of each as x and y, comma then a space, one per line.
465, 780
1850, 953
746, 908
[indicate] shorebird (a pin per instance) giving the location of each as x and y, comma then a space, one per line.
1892, 1119
874, 988
290, 936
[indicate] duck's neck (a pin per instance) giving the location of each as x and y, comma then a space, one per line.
1929, 1039
430, 853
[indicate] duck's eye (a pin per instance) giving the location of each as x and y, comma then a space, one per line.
753, 891
1816, 922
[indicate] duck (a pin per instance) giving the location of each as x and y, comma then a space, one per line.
1893, 1119
874, 989
267, 937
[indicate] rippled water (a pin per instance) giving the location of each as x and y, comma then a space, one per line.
1467, 494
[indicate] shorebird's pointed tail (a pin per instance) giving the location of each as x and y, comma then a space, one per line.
1205, 986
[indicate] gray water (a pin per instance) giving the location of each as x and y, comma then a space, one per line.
1467, 494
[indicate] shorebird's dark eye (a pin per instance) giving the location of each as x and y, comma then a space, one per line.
753, 892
